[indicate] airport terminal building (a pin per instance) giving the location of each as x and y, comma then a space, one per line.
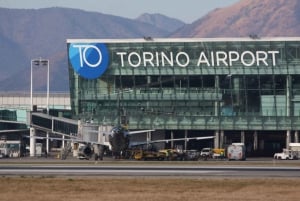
239, 90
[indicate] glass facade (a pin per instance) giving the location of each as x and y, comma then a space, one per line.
192, 84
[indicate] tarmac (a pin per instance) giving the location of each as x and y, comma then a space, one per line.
263, 161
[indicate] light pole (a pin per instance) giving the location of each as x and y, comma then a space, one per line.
39, 62
35, 63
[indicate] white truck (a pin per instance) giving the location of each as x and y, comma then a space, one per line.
285, 155
292, 153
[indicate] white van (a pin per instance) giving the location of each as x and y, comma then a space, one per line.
206, 153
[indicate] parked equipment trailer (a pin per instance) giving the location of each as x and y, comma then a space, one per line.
236, 151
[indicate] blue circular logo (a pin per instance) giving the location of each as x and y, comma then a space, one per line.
89, 60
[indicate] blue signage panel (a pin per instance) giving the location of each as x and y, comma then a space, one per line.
89, 60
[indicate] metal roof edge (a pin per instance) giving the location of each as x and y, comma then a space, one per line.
153, 40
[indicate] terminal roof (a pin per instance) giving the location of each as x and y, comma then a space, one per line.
178, 40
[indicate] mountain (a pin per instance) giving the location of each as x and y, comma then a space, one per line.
27, 34
257, 17
161, 21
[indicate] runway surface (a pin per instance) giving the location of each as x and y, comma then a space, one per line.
151, 171
247, 169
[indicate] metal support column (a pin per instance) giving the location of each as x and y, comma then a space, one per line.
243, 137
255, 141
288, 95
32, 142
217, 89
217, 139
296, 137
185, 141
288, 138
221, 139
47, 142
63, 141
172, 142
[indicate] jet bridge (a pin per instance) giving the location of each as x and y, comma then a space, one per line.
50, 125
65, 129
56, 125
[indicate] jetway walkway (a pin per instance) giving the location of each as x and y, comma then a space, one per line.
59, 128
55, 125
51, 125
38, 126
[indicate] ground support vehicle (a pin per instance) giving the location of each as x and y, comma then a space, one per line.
149, 155
290, 153
11, 149
191, 155
206, 153
236, 151
286, 155
218, 154
173, 154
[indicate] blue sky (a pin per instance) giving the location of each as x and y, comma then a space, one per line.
185, 10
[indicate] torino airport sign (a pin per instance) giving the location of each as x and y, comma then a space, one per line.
182, 59
91, 60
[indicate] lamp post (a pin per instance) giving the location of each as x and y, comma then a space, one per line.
36, 63
39, 62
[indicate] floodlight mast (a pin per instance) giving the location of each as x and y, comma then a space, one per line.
35, 63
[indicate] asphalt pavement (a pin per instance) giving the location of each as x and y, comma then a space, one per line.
252, 167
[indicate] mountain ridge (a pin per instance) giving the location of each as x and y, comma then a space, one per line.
259, 17
27, 34
161, 21
35, 33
